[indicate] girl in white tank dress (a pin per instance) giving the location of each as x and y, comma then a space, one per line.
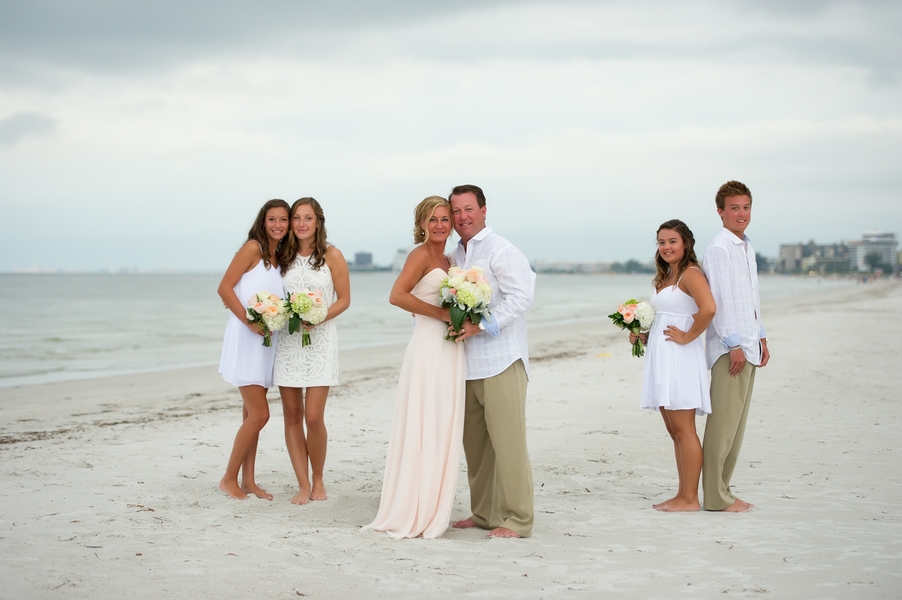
423, 460
676, 379
245, 362
676, 375
304, 374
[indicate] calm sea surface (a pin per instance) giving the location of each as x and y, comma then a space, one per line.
82, 326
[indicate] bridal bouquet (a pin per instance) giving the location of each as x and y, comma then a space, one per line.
468, 294
636, 317
306, 307
268, 310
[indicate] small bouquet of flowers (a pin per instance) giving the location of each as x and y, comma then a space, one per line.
468, 294
636, 317
306, 307
268, 310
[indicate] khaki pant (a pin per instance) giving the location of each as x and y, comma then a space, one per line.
498, 467
724, 429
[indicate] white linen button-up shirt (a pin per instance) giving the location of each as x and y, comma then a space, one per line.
732, 272
513, 285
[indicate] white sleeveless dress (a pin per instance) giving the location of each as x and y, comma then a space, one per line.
676, 376
317, 364
244, 359
423, 459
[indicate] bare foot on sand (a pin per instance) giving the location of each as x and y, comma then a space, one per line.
503, 532
302, 497
678, 505
661, 505
739, 506
319, 490
256, 490
232, 490
464, 523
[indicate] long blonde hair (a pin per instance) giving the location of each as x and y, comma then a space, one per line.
423, 212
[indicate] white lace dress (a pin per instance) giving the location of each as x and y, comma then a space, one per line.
317, 364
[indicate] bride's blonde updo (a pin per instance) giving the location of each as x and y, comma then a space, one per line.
423, 212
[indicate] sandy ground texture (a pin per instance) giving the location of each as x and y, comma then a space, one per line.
108, 487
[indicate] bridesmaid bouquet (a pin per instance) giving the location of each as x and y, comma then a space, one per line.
268, 310
468, 294
636, 317
306, 307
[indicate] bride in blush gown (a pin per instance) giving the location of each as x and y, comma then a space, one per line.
425, 446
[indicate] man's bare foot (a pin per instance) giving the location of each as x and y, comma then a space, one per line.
503, 532
319, 490
256, 490
739, 506
678, 505
302, 497
464, 523
232, 490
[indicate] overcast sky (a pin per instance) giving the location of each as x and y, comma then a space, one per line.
147, 134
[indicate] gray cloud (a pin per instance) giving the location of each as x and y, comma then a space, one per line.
97, 34
23, 124
104, 36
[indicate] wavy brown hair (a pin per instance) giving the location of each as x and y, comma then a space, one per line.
423, 212
258, 230
292, 246
689, 260
730, 189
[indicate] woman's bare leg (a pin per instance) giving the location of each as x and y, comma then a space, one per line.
676, 453
689, 456
248, 485
317, 437
295, 441
256, 414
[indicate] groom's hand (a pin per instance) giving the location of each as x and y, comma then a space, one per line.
468, 330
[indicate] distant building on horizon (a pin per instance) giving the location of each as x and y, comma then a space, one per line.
839, 258
803, 258
883, 244
400, 258
363, 261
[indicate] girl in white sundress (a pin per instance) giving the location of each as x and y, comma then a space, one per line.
245, 361
675, 380
305, 373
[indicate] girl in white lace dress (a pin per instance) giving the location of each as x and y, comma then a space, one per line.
675, 380
305, 373
245, 361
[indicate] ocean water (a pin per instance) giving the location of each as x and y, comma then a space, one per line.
61, 327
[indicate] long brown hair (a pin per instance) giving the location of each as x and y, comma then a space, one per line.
688, 260
258, 231
292, 246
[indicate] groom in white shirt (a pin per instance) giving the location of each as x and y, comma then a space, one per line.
497, 359
735, 344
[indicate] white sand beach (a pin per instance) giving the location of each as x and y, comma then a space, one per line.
108, 486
